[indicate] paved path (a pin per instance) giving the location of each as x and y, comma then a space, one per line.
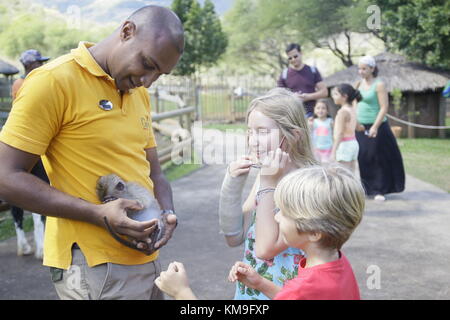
405, 240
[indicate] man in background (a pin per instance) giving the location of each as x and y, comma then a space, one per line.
302, 79
31, 59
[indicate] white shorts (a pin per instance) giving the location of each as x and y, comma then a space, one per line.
347, 151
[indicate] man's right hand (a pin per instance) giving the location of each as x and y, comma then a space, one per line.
116, 213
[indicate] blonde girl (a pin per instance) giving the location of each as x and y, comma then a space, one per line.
279, 142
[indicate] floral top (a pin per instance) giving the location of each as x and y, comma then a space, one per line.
279, 269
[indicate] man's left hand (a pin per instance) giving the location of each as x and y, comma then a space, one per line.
170, 223
304, 96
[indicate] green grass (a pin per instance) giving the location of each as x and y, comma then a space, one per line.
174, 172
7, 229
428, 160
226, 126
447, 124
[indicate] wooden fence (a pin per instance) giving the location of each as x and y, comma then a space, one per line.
5, 99
183, 115
223, 99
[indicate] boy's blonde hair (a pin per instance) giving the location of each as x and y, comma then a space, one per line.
287, 111
329, 200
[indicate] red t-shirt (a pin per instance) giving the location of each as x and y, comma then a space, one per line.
329, 281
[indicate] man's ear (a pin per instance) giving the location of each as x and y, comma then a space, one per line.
128, 30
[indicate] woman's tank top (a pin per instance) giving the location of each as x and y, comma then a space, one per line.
369, 106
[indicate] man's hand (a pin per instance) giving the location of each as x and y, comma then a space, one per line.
304, 96
116, 214
170, 223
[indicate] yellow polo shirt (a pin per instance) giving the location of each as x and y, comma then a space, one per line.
57, 115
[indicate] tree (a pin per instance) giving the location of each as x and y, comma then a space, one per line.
205, 42
259, 30
323, 23
257, 37
418, 28
22, 28
213, 41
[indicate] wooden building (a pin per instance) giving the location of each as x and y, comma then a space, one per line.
7, 70
421, 92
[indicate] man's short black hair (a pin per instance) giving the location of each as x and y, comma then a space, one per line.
293, 46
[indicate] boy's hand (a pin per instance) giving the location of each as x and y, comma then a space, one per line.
174, 282
245, 274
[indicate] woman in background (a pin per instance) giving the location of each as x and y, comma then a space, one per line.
380, 161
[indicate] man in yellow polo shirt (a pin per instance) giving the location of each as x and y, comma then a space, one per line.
88, 114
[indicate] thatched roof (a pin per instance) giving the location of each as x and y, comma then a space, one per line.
397, 72
7, 69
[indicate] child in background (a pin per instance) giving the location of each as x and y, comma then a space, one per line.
319, 208
322, 131
345, 147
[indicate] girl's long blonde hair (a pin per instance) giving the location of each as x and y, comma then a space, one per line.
287, 110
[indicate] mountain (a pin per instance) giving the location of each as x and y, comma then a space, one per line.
113, 11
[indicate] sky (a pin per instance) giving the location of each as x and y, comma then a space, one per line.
126, 5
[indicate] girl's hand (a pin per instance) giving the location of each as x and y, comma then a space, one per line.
240, 167
174, 281
274, 166
246, 274
373, 132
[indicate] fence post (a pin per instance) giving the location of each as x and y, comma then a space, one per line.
156, 100
198, 109
442, 115
411, 114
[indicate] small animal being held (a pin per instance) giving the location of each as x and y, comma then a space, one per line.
112, 187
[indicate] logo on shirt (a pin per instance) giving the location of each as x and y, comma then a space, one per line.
145, 121
105, 105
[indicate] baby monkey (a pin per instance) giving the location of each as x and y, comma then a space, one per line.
112, 187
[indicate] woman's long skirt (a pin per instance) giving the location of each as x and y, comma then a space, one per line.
380, 162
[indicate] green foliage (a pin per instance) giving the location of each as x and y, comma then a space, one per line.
22, 29
205, 41
396, 99
418, 28
274, 24
7, 228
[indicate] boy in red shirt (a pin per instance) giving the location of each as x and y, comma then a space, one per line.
319, 208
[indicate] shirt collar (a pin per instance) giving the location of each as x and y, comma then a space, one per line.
84, 58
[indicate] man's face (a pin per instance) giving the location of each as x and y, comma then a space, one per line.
34, 65
141, 60
295, 58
